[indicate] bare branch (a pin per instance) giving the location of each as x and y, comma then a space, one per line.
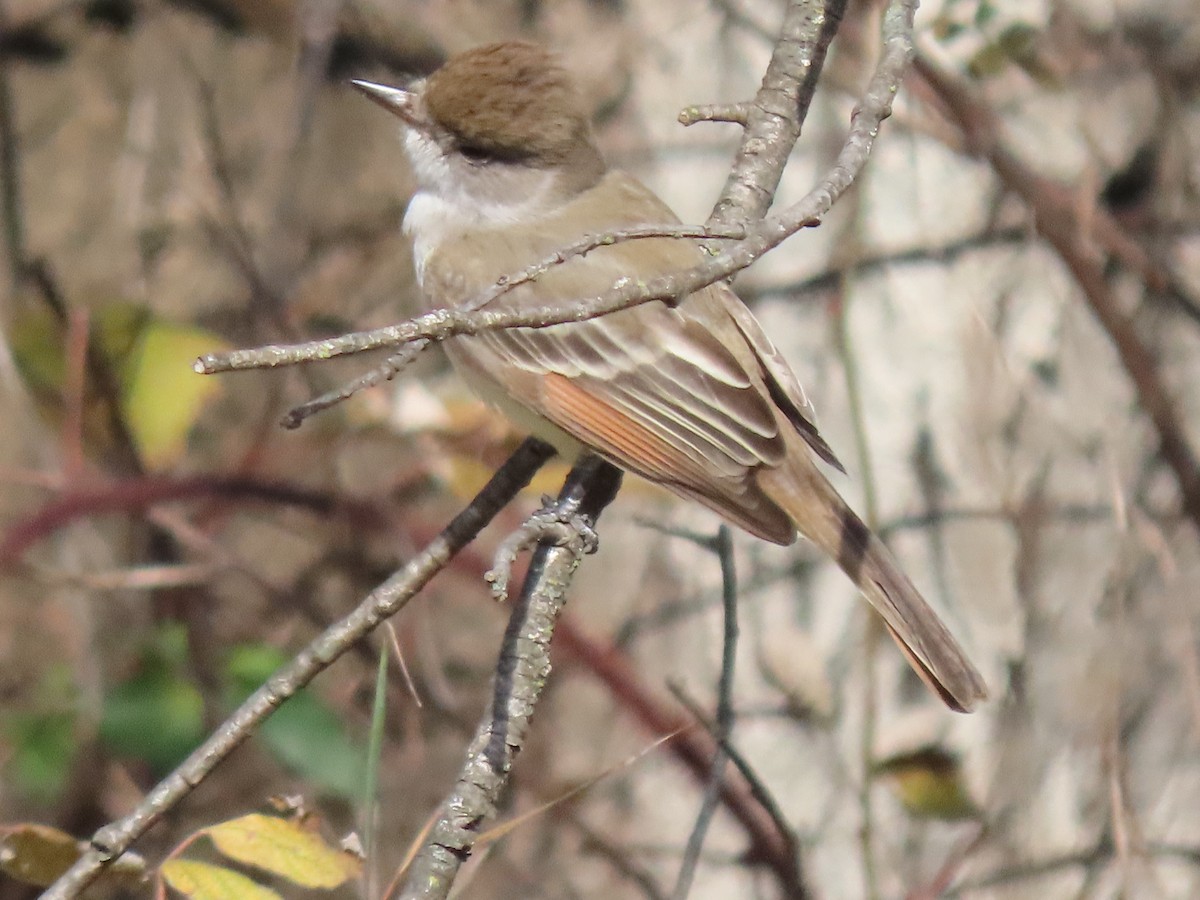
774, 119
521, 675
273, 356
1054, 212
738, 113
386, 371
560, 525
139, 493
723, 547
12, 208
771, 842
111, 841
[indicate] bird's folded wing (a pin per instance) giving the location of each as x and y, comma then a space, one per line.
692, 395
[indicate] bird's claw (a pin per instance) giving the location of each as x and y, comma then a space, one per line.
559, 523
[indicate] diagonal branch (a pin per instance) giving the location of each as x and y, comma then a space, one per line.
468, 319
114, 839
1054, 210
774, 120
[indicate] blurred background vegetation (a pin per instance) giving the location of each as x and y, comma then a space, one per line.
187, 176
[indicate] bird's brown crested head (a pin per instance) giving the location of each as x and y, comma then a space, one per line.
511, 101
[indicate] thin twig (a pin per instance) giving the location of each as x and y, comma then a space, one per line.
136, 494
560, 524
74, 393
398, 362
471, 319
874, 630
272, 357
723, 547
385, 371
1101, 852
771, 843
754, 783
618, 857
11, 205
737, 113
235, 235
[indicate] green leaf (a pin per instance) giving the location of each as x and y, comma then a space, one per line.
42, 746
157, 715
37, 342
37, 348
1018, 40
41, 737
305, 734
985, 12
946, 29
39, 854
161, 397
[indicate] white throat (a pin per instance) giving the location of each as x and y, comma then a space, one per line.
433, 217
456, 196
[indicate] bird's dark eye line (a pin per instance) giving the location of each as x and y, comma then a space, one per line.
474, 155
481, 156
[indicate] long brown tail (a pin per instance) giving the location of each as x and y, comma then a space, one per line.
823, 517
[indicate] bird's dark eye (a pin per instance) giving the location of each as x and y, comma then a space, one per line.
474, 155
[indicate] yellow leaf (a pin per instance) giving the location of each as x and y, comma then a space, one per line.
285, 848
928, 784
204, 881
36, 854
163, 397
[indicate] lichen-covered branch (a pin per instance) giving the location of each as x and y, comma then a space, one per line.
520, 678
112, 840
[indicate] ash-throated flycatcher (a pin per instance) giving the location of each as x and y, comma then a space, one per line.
692, 396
